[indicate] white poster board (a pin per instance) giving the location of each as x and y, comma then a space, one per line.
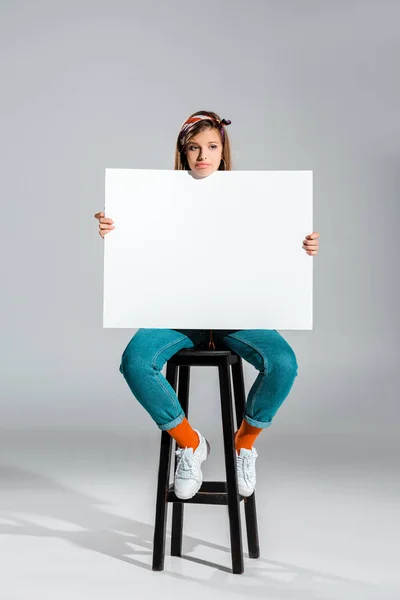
222, 252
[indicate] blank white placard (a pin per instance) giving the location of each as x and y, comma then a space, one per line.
222, 252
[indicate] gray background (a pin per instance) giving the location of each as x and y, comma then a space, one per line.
90, 85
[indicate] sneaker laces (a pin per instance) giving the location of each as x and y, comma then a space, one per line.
248, 464
184, 469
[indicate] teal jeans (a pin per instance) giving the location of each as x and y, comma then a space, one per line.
265, 349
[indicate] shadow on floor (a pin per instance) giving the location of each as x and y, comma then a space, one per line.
27, 497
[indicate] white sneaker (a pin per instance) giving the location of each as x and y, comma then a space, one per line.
246, 471
188, 476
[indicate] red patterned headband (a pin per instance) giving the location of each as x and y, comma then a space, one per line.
188, 125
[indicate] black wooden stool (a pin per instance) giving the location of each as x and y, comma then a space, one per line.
211, 492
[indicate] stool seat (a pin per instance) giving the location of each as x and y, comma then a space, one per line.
211, 492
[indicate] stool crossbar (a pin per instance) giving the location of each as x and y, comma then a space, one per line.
211, 492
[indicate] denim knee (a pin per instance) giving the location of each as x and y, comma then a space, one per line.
281, 363
133, 364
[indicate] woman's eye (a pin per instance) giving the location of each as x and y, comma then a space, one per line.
213, 146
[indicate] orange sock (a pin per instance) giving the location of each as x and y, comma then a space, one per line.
246, 436
184, 435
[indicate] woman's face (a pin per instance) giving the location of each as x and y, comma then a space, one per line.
204, 152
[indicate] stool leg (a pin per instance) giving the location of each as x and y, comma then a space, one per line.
251, 526
178, 507
250, 502
230, 467
162, 487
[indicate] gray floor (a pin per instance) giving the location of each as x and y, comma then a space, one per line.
77, 513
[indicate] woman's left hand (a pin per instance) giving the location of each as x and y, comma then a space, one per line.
310, 243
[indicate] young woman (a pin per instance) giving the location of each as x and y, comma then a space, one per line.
203, 147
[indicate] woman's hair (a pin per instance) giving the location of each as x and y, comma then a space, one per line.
183, 140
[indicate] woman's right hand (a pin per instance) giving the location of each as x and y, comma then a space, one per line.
105, 224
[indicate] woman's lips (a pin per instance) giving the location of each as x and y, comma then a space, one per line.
202, 165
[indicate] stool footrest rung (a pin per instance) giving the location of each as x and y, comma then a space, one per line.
211, 492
